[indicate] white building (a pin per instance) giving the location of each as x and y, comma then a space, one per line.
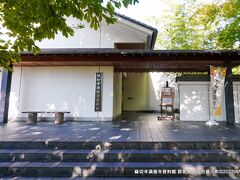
72, 88
63, 76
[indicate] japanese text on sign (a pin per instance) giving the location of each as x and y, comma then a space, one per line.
98, 91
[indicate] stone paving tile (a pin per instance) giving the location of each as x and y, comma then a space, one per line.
18, 178
111, 178
34, 164
19, 164
76, 151
11, 150
72, 164
89, 178
5, 164
103, 164
50, 164
139, 127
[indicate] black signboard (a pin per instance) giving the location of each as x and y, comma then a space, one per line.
98, 91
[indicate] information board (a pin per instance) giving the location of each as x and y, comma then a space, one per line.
167, 96
98, 91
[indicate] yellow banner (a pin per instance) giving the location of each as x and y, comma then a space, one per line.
218, 75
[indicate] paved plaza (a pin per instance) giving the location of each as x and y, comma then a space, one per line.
131, 127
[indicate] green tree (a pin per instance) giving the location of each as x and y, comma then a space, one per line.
195, 25
23, 22
180, 30
225, 15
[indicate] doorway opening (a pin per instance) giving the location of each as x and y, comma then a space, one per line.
140, 92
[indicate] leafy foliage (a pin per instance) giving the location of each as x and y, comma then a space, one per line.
25, 22
193, 25
226, 16
182, 32
196, 26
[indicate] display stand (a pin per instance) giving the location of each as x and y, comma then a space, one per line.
167, 102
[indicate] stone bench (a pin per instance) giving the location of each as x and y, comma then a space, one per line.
59, 116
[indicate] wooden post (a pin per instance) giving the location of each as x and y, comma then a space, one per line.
5, 94
229, 98
209, 72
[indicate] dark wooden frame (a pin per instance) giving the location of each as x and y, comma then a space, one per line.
133, 61
5, 95
129, 45
229, 97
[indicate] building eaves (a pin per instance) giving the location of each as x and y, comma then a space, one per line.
154, 30
107, 51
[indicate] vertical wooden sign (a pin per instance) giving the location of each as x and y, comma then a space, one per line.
98, 91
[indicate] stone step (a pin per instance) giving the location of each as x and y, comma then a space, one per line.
120, 145
142, 169
46, 155
112, 178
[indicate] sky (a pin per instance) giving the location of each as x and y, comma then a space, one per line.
146, 8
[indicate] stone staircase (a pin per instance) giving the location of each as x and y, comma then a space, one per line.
120, 159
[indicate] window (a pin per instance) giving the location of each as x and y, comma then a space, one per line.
129, 45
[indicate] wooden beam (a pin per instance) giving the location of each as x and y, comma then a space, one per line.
229, 98
132, 62
5, 95
160, 70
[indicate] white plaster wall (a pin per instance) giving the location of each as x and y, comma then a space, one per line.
156, 81
15, 93
1, 71
135, 92
236, 92
107, 105
104, 37
195, 102
63, 89
119, 32
149, 93
117, 96
83, 38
